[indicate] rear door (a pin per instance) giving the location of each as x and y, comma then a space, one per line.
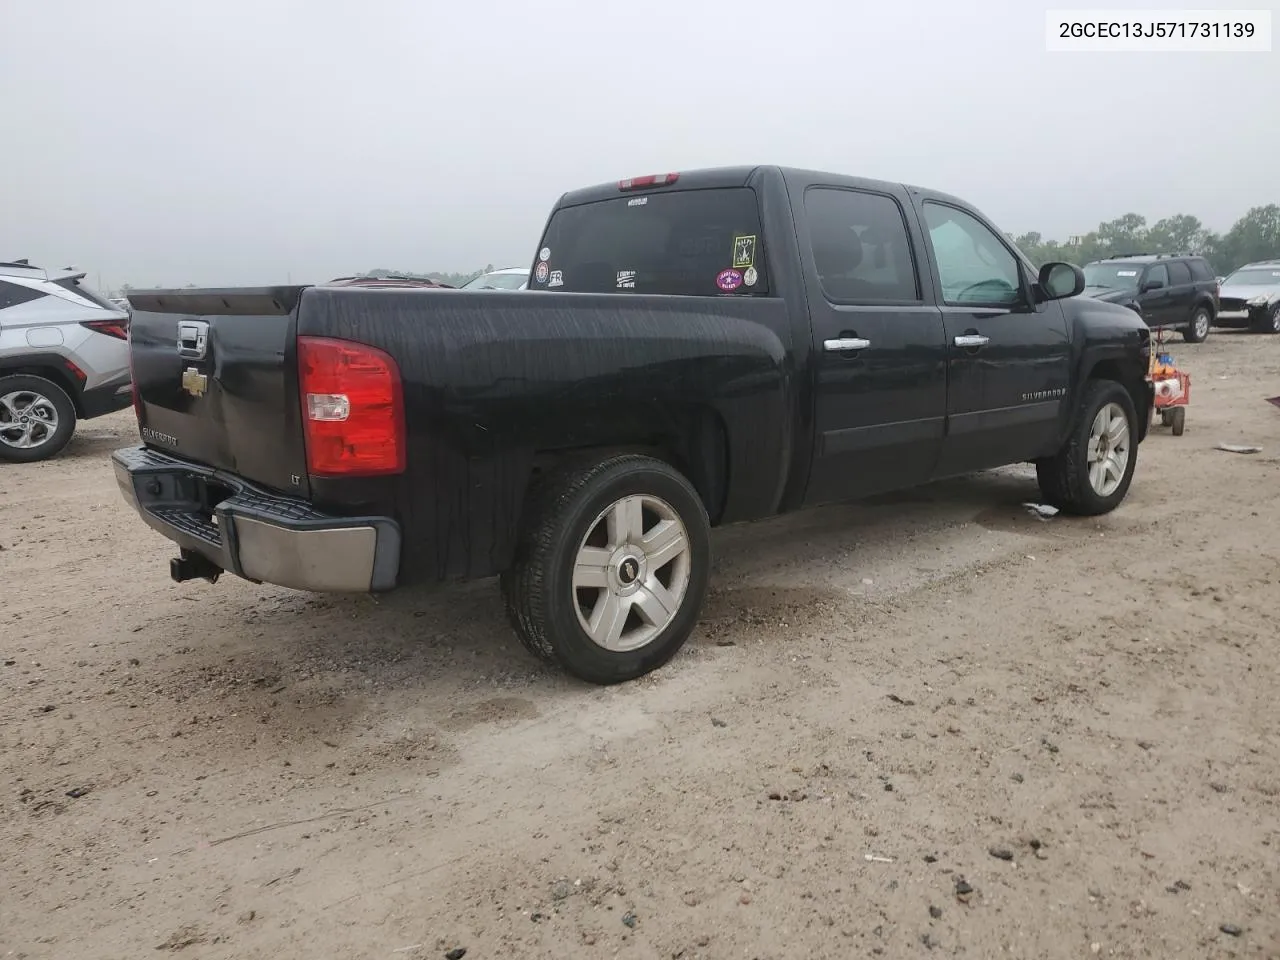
216, 373
881, 381
1182, 292
1007, 356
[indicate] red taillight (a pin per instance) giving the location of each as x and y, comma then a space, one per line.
352, 409
112, 328
653, 180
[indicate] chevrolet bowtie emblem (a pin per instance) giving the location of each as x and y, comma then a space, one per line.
194, 382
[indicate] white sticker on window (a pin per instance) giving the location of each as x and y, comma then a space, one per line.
637, 201
1126, 273
557, 279
626, 279
544, 254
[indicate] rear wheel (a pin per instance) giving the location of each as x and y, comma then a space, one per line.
37, 418
1198, 329
611, 570
1270, 321
1092, 472
1178, 420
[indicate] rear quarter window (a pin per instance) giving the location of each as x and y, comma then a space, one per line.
1179, 273
1200, 269
702, 243
13, 294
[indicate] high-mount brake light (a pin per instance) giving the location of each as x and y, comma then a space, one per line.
352, 409
653, 180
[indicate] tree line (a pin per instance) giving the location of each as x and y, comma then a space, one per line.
1255, 236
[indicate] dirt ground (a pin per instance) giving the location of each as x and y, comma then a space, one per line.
886, 705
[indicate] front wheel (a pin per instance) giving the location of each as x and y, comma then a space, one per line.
1092, 472
1270, 322
1198, 329
611, 570
37, 418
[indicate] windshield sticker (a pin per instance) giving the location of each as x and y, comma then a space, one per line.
637, 201
1126, 273
626, 279
1275, 273
744, 252
728, 280
541, 272
544, 254
557, 278
750, 277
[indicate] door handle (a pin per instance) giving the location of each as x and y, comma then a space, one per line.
972, 340
846, 343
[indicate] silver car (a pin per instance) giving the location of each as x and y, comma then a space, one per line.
64, 356
508, 278
1250, 297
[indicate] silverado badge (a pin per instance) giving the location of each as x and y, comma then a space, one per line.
194, 382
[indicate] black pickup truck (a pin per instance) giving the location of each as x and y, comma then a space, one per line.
693, 350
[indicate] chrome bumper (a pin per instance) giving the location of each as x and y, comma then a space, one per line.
254, 533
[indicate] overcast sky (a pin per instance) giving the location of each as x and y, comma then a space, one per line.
232, 142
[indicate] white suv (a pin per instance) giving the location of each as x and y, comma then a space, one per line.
64, 355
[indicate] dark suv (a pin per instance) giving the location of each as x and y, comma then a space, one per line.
1170, 291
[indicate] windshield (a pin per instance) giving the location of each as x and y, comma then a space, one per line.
1111, 276
497, 281
1255, 277
700, 243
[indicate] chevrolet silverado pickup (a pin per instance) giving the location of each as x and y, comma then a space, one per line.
694, 349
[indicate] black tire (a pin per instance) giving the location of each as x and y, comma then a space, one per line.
25, 386
1179, 420
541, 601
1064, 477
1197, 331
1270, 321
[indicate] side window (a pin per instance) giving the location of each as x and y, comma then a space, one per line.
973, 265
860, 246
1157, 274
12, 294
1179, 273
1200, 270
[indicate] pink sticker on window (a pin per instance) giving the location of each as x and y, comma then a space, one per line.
728, 280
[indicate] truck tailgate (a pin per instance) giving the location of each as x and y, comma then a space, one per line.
217, 380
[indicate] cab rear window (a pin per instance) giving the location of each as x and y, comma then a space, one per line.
702, 243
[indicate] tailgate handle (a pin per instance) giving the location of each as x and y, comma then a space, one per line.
193, 339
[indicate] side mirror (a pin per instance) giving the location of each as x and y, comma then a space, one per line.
1060, 280
1152, 285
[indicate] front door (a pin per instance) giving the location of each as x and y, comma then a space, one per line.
880, 359
1008, 361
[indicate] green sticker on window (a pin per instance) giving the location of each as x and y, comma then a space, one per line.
744, 252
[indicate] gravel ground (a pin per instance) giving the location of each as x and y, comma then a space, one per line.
928, 724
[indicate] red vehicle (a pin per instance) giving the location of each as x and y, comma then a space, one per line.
388, 282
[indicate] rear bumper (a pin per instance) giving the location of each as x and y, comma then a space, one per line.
99, 401
254, 533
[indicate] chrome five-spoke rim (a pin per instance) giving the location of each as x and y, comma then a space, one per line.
1108, 449
631, 572
27, 419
